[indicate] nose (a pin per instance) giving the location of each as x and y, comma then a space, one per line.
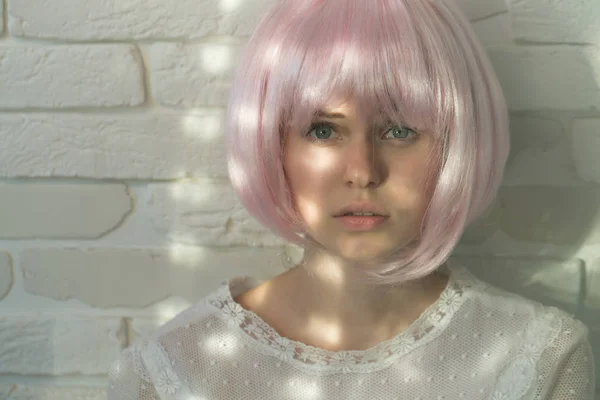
364, 168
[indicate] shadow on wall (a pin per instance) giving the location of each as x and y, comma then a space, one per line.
540, 239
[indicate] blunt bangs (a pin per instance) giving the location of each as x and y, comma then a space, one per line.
369, 52
413, 62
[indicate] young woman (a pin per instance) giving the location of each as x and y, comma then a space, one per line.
370, 134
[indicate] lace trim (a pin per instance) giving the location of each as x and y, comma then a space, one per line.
516, 379
139, 368
166, 381
254, 331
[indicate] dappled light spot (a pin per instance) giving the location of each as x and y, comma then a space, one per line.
238, 175
230, 5
330, 332
166, 312
205, 127
301, 388
334, 275
187, 256
352, 59
216, 58
271, 56
247, 118
190, 193
225, 344
310, 212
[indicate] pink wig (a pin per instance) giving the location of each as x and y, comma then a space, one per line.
416, 62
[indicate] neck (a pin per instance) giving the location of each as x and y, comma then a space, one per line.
334, 308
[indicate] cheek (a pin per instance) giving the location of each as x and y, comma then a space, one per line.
310, 175
411, 184
307, 166
305, 179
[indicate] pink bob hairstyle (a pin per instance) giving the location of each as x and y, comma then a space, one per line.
416, 62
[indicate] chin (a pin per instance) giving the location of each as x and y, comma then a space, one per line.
364, 255
372, 250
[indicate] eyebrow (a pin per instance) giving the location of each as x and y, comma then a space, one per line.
333, 115
324, 114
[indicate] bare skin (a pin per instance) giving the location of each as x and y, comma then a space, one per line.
330, 316
325, 302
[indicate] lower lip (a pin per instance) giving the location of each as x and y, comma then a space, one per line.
361, 224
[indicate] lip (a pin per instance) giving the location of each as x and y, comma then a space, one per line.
362, 223
364, 207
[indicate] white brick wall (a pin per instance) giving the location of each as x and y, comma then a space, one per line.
100, 144
55, 211
116, 212
194, 75
71, 76
561, 21
134, 19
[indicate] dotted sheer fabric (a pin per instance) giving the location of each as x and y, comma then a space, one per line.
475, 342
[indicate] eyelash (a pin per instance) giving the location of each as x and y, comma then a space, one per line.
334, 127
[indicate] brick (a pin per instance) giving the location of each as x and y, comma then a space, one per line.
540, 153
550, 281
556, 21
149, 146
534, 78
29, 211
57, 345
586, 142
554, 215
71, 76
6, 274
47, 392
192, 75
204, 213
112, 277
593, 288
477, 9
493, 31
135, 19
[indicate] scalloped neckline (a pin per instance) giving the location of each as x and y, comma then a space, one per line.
425, 328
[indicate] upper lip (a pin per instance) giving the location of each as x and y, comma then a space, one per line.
362, 208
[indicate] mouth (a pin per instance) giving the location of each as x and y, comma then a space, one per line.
361, 222
361, 209
360, 214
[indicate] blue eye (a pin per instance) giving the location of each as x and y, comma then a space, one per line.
400, 132
320, 131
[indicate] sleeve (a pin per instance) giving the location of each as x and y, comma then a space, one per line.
575, 375
128, 378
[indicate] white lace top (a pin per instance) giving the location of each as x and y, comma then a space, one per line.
475, 342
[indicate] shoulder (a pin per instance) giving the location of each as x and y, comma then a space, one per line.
205, 316
157, 360
537, 324
542, 344
200, 320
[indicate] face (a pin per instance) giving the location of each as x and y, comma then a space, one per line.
345, 159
